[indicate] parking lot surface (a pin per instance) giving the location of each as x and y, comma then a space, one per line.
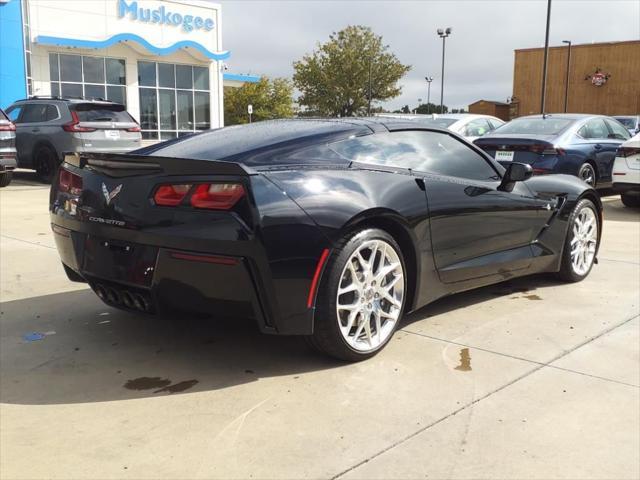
530, 378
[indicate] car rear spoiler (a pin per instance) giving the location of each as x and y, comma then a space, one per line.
129, 164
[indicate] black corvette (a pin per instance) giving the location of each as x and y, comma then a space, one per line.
326, 228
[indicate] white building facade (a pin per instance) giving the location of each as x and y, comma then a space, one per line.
162, 58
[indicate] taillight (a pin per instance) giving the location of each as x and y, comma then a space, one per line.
69, 182
217, 196
171, 195
7, 127
628, 151
72, 126
544, 149
134, 129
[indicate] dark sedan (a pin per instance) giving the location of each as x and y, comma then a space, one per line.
580, 145
332, 229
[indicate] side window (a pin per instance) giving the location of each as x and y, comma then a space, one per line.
430, 152
477, 128
51, 113
14, 112
594, 129
618, 131
34, 112
494, 123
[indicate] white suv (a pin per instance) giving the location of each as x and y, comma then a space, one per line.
626, 172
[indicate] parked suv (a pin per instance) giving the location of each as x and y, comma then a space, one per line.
7, 149
49, 127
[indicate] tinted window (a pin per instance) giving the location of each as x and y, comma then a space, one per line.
51, 113
536, 126
201, 78
618, 130
91, 112
495, 123
34, 112
166, 75
594, 128
115, 71
430, 152
184, 78
93, 68
147, 74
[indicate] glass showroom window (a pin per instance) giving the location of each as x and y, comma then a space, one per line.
174, 99
88, 77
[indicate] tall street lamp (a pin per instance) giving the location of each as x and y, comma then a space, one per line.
443, 34
429, 80
546, 54
566, 82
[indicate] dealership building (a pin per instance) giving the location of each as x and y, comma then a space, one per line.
162, 58
603, 78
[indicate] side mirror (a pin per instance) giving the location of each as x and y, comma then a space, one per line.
516, 172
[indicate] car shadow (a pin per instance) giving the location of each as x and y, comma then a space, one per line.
27, 178
525, 287
615, 210
70, 348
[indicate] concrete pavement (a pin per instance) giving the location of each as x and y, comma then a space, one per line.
527, 379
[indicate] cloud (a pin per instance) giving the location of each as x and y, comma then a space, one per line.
266, 37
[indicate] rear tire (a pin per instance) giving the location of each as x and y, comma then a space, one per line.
369, 271
5, 178
630, 200
588, 174
581, 243
45, 160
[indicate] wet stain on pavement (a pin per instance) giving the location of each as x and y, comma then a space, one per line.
465, 360
147, 383
532, 297
178, 387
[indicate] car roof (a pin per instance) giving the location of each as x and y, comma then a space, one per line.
66, 100
566, 116
252, 143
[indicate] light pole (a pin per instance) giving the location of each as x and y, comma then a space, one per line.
429, 80
566, 82
415, 110
546, 54
443, 33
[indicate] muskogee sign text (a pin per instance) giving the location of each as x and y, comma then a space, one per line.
163, 16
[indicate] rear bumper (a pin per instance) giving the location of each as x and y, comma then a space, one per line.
163, 279
624, 187
7, 160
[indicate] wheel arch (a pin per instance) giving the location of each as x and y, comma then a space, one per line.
43, 142
394, 224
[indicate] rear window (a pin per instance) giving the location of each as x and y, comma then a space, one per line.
92, 112
627, 122
536, 126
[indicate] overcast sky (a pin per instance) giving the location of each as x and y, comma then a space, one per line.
265, 37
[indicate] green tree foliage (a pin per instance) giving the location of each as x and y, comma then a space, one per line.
270, 99
334, 79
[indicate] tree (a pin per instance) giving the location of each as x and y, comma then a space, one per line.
334, 79
270, 99
429, 108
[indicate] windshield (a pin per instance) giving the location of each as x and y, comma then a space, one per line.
536, 126
94, 112
627, 122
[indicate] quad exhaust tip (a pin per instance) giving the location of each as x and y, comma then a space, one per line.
123, 298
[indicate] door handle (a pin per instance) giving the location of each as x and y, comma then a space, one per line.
598, 146
35, 130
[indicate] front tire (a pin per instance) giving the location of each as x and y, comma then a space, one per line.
361, 297
630, 200
581, 243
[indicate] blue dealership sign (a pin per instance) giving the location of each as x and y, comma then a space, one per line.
163, 16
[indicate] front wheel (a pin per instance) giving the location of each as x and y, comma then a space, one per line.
361, 297
581, 242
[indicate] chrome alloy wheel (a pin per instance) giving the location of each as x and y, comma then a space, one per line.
370, 295
584, 241
588, 174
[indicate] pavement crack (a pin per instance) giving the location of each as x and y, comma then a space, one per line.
539, 366
27, 241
